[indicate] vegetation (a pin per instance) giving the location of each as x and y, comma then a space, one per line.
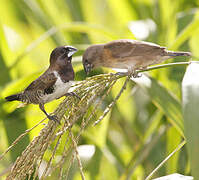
155, 115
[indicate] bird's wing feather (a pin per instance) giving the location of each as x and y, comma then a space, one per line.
44, 82
128, 48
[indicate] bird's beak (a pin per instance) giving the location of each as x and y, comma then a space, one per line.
72, 51
87, 68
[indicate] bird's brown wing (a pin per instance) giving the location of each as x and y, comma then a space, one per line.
44, 83
129, 48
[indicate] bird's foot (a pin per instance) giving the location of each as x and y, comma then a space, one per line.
72, 94
134, 74
122, 74
54, 118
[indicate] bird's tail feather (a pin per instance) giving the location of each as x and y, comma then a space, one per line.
172, 53
14, 97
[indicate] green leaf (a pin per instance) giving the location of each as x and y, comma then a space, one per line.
98, 134
172, 143
94, 164
125, 104
163, 100
186, 33
153, 124
190, 92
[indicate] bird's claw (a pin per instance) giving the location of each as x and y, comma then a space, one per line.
73, 94
136, 75
53, 118
121, 73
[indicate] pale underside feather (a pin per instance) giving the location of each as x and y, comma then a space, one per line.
60, 89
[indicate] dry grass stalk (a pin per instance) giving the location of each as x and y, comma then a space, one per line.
28, 163
113, 102
76, 151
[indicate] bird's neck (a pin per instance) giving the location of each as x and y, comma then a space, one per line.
65, 71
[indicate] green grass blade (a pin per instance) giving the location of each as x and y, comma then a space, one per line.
190, 89
186, 33
14, 124
163, 100
173, 162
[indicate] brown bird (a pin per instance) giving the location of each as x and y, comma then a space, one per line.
126, 54
54, 83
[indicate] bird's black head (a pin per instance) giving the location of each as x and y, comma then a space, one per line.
62, 54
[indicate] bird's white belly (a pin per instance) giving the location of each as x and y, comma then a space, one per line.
60, 89
124, 65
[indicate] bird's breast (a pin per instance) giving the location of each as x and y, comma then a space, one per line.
60, 89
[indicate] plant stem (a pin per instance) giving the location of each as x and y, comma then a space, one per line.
165, 160
167, 65
113, 102
158, 67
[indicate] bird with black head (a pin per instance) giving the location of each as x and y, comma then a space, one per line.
54, 83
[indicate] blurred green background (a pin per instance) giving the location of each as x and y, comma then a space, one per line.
146, 124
